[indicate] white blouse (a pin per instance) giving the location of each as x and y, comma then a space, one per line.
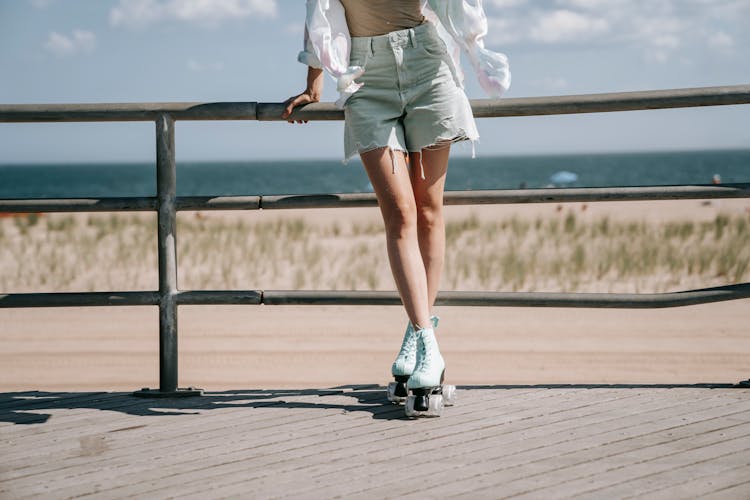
461, 24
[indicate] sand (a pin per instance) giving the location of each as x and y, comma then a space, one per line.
255, 347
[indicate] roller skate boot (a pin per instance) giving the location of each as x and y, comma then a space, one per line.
425, 390
404, 364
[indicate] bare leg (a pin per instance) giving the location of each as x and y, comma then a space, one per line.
398, 207
428, 195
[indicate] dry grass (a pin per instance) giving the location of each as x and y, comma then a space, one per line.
558, 253
568, 254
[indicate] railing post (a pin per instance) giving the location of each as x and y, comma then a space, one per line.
166, 192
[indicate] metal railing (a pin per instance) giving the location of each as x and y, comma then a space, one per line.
166, 203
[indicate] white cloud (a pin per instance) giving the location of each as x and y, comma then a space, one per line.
79, 41
294, 28
504, 4
660, 30
200, 67
138, 13
551, 83
720, 40
566, 25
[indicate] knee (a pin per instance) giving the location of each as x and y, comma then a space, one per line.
400, 220
430, 215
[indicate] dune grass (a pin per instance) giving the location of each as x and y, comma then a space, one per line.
60, 252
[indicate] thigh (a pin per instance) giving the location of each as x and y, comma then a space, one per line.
428, 192
392, 187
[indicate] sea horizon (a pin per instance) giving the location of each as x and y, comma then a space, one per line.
318, 176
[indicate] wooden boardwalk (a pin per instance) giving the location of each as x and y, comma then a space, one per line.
500, 441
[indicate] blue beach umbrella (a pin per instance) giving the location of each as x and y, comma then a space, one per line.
563, 177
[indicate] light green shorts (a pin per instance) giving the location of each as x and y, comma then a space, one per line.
410, 99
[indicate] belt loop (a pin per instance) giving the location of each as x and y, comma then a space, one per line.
413, 37
372, 46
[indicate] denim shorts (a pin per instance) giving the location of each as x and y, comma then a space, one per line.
410, 98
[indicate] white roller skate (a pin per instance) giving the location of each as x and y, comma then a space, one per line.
427, 396
404, 364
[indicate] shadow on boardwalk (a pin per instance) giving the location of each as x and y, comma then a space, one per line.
15, 406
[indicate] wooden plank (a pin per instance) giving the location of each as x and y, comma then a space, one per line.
474, 458
124, 407
614, 475
729, 467
733, 492
73, 402
304, 443
339, 459
202, 461
705, 481
166, 428
578, 469
87, 469
273, 425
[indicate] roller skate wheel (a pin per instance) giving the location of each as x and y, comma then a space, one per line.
392, 394
435, 407
409, 407
449, 395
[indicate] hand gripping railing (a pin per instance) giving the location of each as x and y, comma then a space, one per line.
166, 203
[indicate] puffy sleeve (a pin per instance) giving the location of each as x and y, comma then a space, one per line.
327, 45
307, 55
466, 23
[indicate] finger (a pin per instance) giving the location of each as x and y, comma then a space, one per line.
292, 102
287, 111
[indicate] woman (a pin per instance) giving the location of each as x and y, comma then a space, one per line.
400, 83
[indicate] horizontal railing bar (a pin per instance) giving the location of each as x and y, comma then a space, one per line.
385, 298
351, 200
509, 196
134, 204
126, 112
76, 299
218, 202
558, 195
275, 202
556, 105
219, 297
518, 299
483, 108
612, 102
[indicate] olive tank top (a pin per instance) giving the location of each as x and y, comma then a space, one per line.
378, 17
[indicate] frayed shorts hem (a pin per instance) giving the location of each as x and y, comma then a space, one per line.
438, 143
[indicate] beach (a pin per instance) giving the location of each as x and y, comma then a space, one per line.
241, 347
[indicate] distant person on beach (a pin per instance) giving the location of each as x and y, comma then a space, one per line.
401, 87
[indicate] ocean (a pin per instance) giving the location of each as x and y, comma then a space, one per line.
330, 176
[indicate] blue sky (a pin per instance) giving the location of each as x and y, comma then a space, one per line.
66, 51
